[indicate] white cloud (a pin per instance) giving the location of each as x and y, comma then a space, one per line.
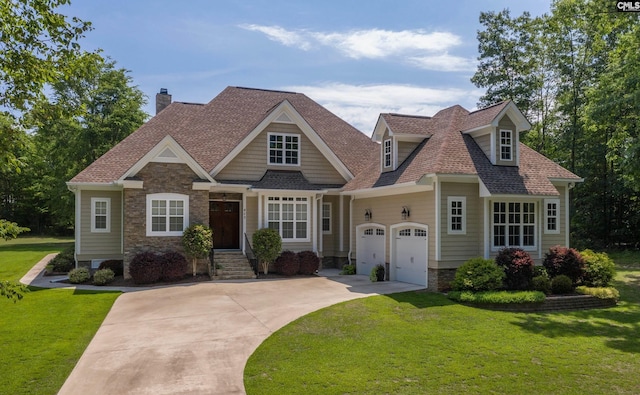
415, 47
360, 105
283, 36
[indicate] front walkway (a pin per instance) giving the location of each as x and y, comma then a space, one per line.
196, 338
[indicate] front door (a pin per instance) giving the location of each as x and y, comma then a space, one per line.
224, 220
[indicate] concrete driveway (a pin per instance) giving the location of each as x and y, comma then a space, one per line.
196, 339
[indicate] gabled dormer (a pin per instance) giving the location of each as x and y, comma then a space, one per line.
398, 136
496, 129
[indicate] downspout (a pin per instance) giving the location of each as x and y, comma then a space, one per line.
350, 227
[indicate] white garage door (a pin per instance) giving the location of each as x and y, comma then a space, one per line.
370, 249
410, 255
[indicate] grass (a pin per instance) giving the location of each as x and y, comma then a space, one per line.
415, 343
44, 334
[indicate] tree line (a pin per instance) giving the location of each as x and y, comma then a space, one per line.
575, 73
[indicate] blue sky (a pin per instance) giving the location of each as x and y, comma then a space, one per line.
357, 58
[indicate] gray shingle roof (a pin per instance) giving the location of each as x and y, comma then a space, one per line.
284, 179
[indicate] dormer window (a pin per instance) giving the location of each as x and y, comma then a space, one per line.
387, 153
506, 145
284, 149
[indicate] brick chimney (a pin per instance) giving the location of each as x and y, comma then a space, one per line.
163, 99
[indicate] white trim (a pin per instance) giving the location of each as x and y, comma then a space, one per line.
283, 150
309, 201
438, 193
510, 145
244, 224
330, 230
167, 197
341, 216
566, 216
78, 221
463, 224
386, 154
537, 240
158, 149
132, 184
546, 216
107, 228
292, 113
396, 189
487, 228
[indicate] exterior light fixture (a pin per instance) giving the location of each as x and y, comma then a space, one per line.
224, 197
405, 212
367, 215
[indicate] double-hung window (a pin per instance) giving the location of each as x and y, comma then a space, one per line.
167, 214
514, 225
551, 216
289, 216
457, 215
100, 215
326, 218
506, 145
284, 149
387, 153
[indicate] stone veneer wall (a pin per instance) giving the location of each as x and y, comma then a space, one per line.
159, 178
440, 279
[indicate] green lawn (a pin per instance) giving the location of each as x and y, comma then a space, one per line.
43, 335
417, 343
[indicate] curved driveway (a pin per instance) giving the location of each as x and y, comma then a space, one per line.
196, 338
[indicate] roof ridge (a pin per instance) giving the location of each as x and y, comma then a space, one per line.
265, 90
489, 106
407, 115
189, 103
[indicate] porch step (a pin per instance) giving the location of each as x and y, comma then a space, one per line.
232, 266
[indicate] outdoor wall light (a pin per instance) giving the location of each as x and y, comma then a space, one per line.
405, 212
367, 214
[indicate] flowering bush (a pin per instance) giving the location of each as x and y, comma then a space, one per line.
518, 268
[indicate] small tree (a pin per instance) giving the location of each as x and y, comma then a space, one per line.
197, 241
266, 245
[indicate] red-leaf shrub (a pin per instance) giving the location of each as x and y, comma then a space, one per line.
518, 268
287, 263
145, 268
174, 266
115, 265
562, 260
309, 262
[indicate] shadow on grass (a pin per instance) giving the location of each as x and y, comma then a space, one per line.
421, 299
36, 247
75, 291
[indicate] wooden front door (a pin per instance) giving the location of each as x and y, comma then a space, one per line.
224, 219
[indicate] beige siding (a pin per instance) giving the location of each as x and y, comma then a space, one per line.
330, 242
387, 211
95, 245
550, 240
460, 247
484, 142
252, 162
404, 150
506, 124
251, 212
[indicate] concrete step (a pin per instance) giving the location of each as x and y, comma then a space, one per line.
233, 265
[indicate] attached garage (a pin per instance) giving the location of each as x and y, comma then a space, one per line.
370, 248
410, 252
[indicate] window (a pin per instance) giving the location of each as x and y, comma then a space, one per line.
289, 216
457, 215
514, 225
551, 216
405, 232
167, 214
387, 153
284, 149
100, 215
326, 218
505, 145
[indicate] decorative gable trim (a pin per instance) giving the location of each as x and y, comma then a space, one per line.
286, 111
167, 151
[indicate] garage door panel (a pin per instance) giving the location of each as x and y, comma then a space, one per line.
370, 249
410, 260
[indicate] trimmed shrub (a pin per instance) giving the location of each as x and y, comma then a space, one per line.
501, 297
287, 263
477, 275
599, 292
116, 266
309, 262
599, 269
540, 271
64, 261
561, 284
542, 284
377, 273
79, 275
145, 268
267, 244
518, 268
348, 269
567, 261
173, 266
197, 241
103, 277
